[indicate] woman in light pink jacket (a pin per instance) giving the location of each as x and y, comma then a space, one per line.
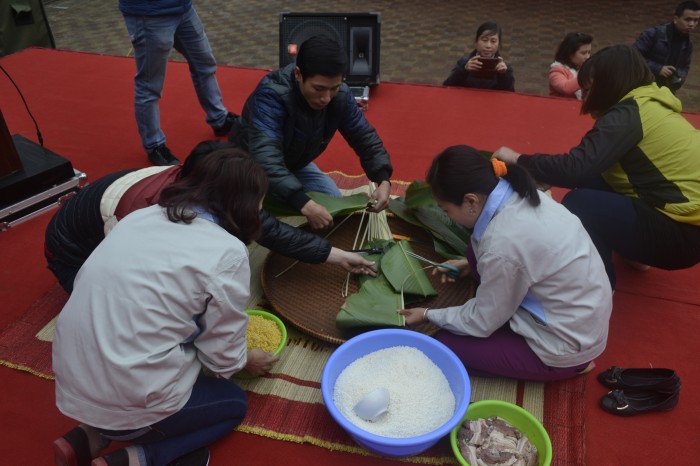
572, 52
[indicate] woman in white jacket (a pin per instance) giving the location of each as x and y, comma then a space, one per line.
543, 302
572, 52
161, 298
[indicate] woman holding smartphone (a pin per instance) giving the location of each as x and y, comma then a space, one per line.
484, 68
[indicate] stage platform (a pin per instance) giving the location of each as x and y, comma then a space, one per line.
83, 104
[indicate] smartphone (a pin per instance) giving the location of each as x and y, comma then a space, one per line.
489, 64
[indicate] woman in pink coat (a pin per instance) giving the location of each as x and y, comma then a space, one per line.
572, 52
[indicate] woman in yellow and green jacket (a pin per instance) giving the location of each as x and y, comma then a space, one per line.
635, 176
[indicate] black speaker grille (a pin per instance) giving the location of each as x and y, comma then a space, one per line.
295, 30
358, 33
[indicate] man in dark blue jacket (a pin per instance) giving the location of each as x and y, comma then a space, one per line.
290, 118
155, 28
667, 47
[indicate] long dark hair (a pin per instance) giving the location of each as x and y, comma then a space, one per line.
569, 45
609, 75
459, 170
228, 184
201, 150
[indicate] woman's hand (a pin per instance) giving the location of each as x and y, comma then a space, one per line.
414, 315
461, 264
260, 362
501, 67
507, 155
474, 64
351, 262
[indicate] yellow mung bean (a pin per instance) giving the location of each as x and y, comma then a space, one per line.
262, 333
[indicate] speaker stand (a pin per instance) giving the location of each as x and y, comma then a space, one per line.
361, 94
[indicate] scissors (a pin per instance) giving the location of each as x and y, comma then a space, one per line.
453, 272
368, 252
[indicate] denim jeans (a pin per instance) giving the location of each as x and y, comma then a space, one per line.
214, 409
153, 37
313, 179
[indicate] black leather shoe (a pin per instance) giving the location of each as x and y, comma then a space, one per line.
630, 404
659, 380
161, 155
224, 129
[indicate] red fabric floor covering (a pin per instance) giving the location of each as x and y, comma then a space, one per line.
83, 104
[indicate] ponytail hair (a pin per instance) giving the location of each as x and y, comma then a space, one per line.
459, 170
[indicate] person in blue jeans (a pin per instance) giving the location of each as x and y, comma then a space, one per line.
156, 324
291, 117
155, 28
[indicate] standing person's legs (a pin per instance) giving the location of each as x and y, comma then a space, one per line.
503, 354
313, 179
191, 41
214, 409
152, 39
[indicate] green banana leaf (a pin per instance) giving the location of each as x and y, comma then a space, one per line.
419, 194
335, 205
376, 258
400, 209
405, 273
419, 208
375, 305
442, 227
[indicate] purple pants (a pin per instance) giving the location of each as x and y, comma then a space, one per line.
503, 354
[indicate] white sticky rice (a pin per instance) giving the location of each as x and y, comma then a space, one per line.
420, 398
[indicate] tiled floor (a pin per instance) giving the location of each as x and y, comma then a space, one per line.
420, 39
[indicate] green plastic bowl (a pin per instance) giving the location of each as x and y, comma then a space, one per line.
243, 374
275, 319
514, 414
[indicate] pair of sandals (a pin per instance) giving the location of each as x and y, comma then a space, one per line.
637, 391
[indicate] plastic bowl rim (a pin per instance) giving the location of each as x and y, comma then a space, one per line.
277, 320
367, 437
527, 414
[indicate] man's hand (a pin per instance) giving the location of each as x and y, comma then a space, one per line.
667, 71
379, 200
507, 155
353, 263
317, 215
260, 362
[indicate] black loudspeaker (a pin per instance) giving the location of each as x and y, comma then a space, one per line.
358, 33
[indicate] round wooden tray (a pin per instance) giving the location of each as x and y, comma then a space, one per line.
309, 296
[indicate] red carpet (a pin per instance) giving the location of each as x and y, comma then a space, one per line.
83, 104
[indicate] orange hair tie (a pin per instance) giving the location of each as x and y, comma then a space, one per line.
499, 168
